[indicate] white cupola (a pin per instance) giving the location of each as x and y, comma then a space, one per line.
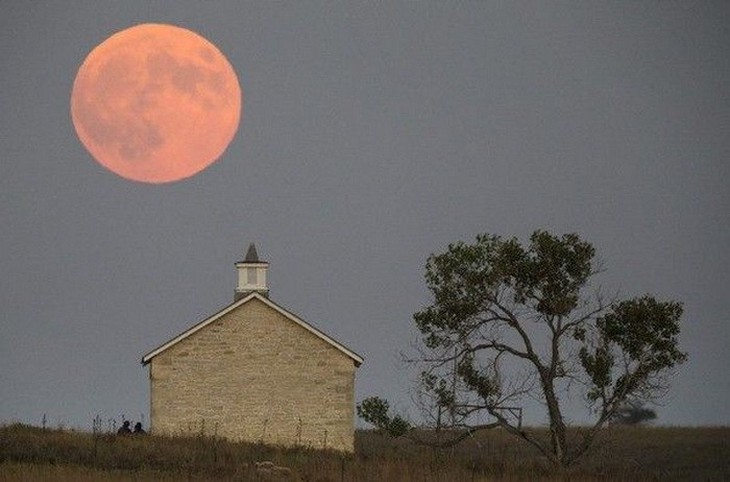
252, 275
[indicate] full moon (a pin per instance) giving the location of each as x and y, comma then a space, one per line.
156, 103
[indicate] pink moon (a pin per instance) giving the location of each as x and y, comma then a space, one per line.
156, 103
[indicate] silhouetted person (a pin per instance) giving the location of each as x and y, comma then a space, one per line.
124, 429
138, 430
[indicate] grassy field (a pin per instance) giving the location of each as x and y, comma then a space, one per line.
622, 453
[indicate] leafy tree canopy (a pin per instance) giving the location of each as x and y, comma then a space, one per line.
510, 321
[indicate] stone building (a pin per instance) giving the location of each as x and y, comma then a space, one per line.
255, 372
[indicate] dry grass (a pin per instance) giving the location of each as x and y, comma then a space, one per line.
622, 453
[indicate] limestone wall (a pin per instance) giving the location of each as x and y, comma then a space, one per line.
255, 375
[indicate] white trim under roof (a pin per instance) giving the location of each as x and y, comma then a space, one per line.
355, 357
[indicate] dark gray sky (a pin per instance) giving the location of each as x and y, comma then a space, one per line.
371, 137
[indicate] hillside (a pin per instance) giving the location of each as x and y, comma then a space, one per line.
623, 453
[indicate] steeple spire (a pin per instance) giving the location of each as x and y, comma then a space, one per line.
251, 255
252, 275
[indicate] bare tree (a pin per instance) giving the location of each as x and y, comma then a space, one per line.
510, 322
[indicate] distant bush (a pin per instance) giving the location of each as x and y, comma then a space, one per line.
633, 413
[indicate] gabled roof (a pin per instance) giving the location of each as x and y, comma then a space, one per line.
355, 357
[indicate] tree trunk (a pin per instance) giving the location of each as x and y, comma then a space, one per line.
557, 425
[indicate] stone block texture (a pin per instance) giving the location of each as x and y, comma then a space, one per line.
254, 375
